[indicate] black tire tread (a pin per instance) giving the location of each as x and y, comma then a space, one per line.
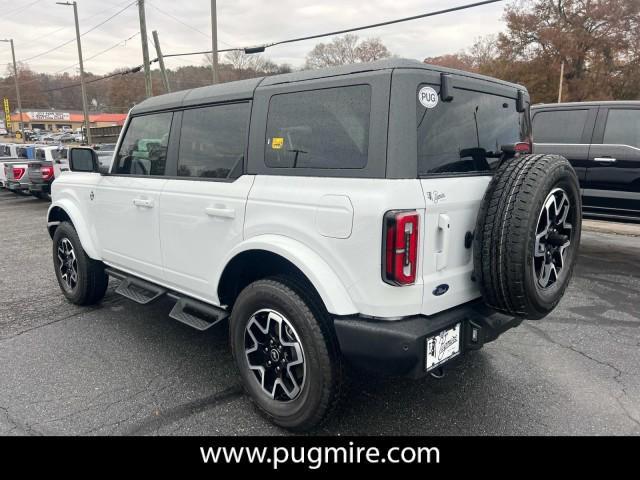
325, 339
93, 279
501, 235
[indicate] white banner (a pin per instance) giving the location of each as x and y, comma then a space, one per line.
51, 116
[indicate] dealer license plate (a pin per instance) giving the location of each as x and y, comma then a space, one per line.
442, 347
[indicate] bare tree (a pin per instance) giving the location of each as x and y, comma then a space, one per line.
344, 50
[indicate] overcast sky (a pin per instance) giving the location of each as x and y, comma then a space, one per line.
37, 26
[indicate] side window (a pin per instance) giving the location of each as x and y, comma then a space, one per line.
319, 128
623, 128
213, 141
144, 147
559, 126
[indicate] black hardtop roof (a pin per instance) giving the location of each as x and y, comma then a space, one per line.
242, 89
593, 103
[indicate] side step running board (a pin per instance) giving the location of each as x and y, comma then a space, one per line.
189, 311
196, 314
136, 289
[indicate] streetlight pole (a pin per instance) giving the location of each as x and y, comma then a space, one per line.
15, 75
214, 42
82, 87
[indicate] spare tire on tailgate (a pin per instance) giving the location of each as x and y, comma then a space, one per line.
527, 235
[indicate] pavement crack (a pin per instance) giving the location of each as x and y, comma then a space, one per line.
67, 317
617, 372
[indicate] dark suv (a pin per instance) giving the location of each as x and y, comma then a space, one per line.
602, 142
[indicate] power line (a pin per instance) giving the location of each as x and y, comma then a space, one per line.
99, 53
83, 34
105, 77
21, 9
261, 48
53, 32
208, 35
74, 65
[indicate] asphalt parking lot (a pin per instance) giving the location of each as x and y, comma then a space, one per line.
121, 368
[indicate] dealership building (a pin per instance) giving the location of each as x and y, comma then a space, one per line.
54, 120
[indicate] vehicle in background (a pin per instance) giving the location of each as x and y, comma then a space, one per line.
105, 153
602, 142
9, 150
8, 154
50, 163
17, 179
26, 151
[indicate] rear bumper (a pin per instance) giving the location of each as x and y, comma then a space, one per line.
40, 187
17, 186
398, 347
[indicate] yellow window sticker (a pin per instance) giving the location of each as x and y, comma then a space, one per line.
277, 143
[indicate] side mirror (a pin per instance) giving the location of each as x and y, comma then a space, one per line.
83, 160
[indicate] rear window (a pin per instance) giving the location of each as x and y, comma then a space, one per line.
559, 126
326, 128
465, 134
213, 141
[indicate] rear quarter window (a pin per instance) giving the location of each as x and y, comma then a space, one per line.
325, 129
623, 127
465, 135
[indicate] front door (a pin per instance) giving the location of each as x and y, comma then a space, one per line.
202, 211
126, 201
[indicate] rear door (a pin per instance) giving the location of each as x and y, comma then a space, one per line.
458, 145
613, 177
202, 208
565, 131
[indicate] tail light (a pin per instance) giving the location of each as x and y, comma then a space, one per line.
18, 172
47, 172
400, 249
522, 147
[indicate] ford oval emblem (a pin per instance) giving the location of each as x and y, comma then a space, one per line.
441, 289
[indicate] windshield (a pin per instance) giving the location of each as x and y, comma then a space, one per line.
465, 135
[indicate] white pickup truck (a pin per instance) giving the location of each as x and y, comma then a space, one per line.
388, 215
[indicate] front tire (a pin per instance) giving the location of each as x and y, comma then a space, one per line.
82, 280
287, 352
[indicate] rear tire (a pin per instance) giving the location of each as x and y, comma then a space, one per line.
82, 280
527, 235
298, 322
42, 196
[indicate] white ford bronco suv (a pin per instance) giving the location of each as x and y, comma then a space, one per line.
386, 215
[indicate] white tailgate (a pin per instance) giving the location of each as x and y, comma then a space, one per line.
452, 206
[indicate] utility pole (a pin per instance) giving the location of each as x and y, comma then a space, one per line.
214, 42
85, 109
145, 49
165, 78
561, 78
15, 74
